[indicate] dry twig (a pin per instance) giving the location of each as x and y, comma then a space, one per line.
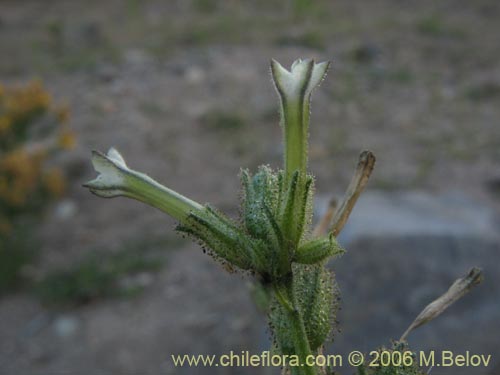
358, 182
322, 227
458, 289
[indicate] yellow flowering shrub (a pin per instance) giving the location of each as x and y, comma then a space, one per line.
32, 128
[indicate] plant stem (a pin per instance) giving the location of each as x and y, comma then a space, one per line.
286, 298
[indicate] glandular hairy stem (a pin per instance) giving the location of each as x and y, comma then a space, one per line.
286, 297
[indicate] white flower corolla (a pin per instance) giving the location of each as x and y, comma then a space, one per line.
111, 181
117, 179
295, 87
297, 84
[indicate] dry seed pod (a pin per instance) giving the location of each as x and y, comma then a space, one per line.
456, 291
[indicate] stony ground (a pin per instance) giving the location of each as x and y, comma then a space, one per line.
182, 89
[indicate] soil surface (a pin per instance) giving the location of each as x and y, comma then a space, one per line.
183, 90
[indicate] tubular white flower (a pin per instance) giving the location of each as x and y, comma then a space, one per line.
294, 87
117, 179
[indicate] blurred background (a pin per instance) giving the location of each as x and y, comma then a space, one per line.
182, 88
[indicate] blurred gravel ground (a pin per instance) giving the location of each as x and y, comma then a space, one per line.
418, 83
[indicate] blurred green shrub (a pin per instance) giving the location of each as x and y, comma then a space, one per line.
216, 120
101, 275
438, 26
309, 39
483, 91
31, 130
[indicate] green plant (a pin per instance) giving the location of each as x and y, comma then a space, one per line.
310, 39
100, 275
223, 121
274, 240
435, 25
